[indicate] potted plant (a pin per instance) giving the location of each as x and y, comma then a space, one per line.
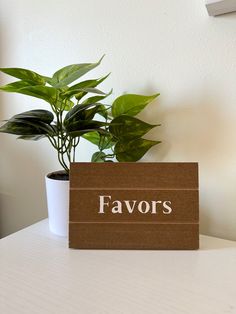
76, 110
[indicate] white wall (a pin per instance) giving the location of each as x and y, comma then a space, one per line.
169, 46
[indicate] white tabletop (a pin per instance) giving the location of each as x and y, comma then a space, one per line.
39, 274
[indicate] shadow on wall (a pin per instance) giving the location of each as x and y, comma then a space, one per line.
22, 191
198, 130
190, 131
22, 195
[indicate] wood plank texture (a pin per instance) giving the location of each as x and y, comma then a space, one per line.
134, 236
123, 206
166, 175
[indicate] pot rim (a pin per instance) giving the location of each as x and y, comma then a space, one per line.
48, 176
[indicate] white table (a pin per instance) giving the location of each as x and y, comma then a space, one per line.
39, 274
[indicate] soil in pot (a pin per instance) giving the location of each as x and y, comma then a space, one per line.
59, 175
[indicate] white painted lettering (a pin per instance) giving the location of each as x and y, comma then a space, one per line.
167, 209
144, 209
103, 203
130, 207
154, 206
117, 209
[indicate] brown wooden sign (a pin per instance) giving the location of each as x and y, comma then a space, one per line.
134, 206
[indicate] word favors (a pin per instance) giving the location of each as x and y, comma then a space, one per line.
131, 206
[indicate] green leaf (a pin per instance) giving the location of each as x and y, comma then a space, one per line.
90, 113
24, 127
48, 80
133, 150
24, 74
103, 111
92, 90
81, 89
92, 137
130, 104
84, 124
31, 137
84, 131
49, 94
33, 121
80, 127
38, 115
64, 104
37, 124
106, 141
95, 99
85, 84
126, 127
103, 141
79, 93
72, 72
98, 157
15, 86
76, 113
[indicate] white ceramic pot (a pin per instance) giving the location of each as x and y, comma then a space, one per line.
58, 203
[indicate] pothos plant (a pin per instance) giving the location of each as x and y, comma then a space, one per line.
75, 113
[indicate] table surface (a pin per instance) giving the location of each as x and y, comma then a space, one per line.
39, 274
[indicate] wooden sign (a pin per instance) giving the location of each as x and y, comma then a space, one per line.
134, 206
